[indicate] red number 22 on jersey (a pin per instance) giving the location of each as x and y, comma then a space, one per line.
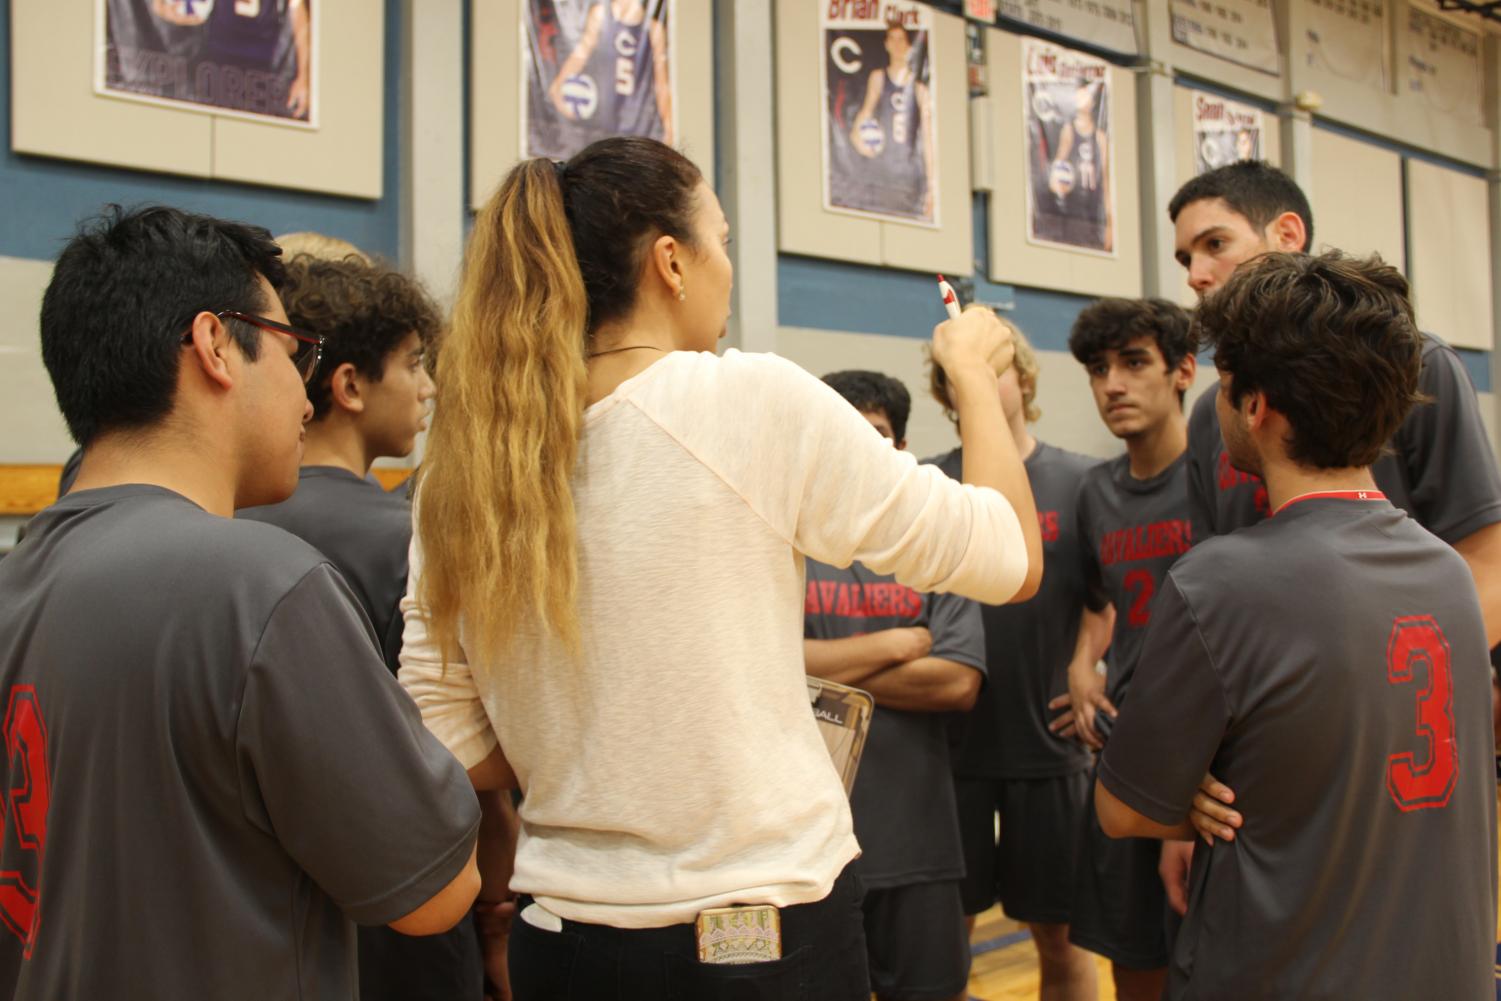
1425, 784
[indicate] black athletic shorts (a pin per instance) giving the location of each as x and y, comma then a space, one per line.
915, 937
1030, 870
1120, 908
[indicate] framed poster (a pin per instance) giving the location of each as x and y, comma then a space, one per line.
1442, 66
880, 155
593, 69
1347, 39
1109, 24
1066, 111
254, 59
1225, 132
1242, 31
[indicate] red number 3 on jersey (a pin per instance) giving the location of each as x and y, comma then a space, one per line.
1423, 782
25, 809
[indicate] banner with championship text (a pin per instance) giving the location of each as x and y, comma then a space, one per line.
1225, 132
880, 156
251, 59
1069, 177
592, 69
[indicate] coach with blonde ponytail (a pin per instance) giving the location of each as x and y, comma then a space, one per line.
606, 592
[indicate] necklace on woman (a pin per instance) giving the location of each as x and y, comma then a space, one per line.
629, 347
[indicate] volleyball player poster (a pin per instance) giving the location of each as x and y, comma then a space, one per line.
1224, 132
1066, 113
593, 69
880, 154
248, 58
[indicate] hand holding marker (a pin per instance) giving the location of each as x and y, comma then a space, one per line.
1001, 356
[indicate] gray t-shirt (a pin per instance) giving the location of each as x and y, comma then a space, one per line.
1028, 646
906, 818
1441, 469
363, 530
1130, 532
1330, 666
230, 774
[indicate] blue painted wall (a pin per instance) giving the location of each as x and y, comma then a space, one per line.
42, 200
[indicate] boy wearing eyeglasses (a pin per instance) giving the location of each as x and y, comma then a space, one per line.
211, 774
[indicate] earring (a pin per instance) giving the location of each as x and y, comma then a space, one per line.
682, 295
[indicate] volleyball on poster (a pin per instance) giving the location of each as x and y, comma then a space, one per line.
250, 58
1069, 177
1224, 132
594, 69
879, 149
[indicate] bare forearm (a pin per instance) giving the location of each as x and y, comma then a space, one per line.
928, 684
1094, 635
848, 661
991, 459
496, 851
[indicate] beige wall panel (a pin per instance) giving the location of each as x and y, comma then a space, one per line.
949, 249
803, 227
1012, 258
495, 89
1357, 198
55, 112
1449, 218
31, 429
343, 155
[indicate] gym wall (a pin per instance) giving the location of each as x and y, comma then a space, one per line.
1390, 169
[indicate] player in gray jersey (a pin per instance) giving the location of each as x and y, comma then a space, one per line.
1440, 468
921, 656
1133, 524
198, 714
1014, 760
370, 399
1355, 730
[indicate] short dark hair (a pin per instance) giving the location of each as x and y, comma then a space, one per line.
869, 392
1111, 324
1253, 188
1330, 340
363, 309
124, 291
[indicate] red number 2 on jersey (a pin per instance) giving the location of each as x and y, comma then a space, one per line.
1142, 583
25, 811
1417, 640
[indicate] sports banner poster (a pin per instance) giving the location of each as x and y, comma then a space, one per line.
1069, 176
252, 59
592, 69
880, 156
1224, 132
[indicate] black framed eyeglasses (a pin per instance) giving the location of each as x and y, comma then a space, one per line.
309, 346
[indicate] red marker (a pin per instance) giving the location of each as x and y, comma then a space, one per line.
950, 300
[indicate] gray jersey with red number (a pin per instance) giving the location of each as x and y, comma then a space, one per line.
1441, 469
1130, 532
1329, 665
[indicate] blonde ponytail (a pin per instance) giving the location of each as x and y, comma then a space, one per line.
495, 513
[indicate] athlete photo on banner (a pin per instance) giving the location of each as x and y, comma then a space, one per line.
1224, 132
1066, 113
247, 58
879, 152
593, 69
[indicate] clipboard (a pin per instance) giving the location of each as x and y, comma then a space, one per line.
843, 715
